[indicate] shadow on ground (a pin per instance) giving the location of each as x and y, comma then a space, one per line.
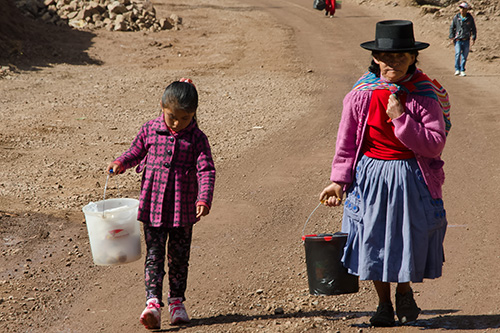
447, 320
460, 322
444, 320
238, 318
29, 44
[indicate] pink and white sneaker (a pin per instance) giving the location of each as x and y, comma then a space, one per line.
151, 316
178, 314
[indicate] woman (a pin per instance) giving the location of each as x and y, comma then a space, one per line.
391, 135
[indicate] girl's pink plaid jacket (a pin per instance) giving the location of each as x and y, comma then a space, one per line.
178, 173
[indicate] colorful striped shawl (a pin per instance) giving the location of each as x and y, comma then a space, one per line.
418, 83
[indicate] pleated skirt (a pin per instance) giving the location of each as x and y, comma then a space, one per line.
395, 228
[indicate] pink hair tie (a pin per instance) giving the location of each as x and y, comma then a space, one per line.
187, 81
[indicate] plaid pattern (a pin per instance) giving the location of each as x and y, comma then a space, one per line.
178, 173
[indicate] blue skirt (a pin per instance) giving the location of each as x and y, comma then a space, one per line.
395, 228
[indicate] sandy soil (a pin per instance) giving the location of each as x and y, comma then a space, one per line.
271, 77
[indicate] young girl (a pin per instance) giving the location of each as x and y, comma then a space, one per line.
177, 189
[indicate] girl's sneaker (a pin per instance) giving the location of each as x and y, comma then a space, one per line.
178, 314
151, 316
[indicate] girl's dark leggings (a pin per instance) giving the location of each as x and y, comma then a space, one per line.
179, 245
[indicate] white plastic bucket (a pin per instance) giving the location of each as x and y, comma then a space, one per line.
114, 232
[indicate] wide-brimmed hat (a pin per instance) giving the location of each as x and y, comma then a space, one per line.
394, 36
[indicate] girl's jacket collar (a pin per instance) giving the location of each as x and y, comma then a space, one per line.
161, 127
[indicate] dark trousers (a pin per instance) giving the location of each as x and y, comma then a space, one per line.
179, 246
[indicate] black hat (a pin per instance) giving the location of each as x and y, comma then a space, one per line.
394, 36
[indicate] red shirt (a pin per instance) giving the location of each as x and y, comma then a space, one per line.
379, 141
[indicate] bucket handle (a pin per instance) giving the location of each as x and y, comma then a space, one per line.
304, 228
104, 195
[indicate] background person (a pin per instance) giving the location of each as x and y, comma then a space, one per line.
387, 159
463, 36
330, 7
176, 191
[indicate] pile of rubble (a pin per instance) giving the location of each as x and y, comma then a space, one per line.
114, 15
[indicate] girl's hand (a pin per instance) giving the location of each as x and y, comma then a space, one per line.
394, 107
332, 195
114, 169
201, 210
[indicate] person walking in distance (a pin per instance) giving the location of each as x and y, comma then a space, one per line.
463, 36
330, 7
176, 191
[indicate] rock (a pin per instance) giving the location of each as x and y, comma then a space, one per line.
120, 26
87, 12
117, 8
279, 311
97, 7
175, 19
46, 17
99, 14
72, 15
148, 6
429, 9
165, 24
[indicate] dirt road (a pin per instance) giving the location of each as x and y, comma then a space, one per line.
271, 77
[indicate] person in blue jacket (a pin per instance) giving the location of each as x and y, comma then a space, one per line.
463, 36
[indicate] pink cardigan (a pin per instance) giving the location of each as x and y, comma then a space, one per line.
421, 128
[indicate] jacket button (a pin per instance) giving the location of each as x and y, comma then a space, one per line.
169, 152
167, 165
171, 139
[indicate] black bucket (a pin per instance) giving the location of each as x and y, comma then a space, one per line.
325, 271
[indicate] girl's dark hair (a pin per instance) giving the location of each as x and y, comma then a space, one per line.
180, 96
375, 68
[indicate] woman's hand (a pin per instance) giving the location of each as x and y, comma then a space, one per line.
201, 210
332, 195
394, 107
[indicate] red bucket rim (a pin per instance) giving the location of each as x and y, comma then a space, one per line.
325, 237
